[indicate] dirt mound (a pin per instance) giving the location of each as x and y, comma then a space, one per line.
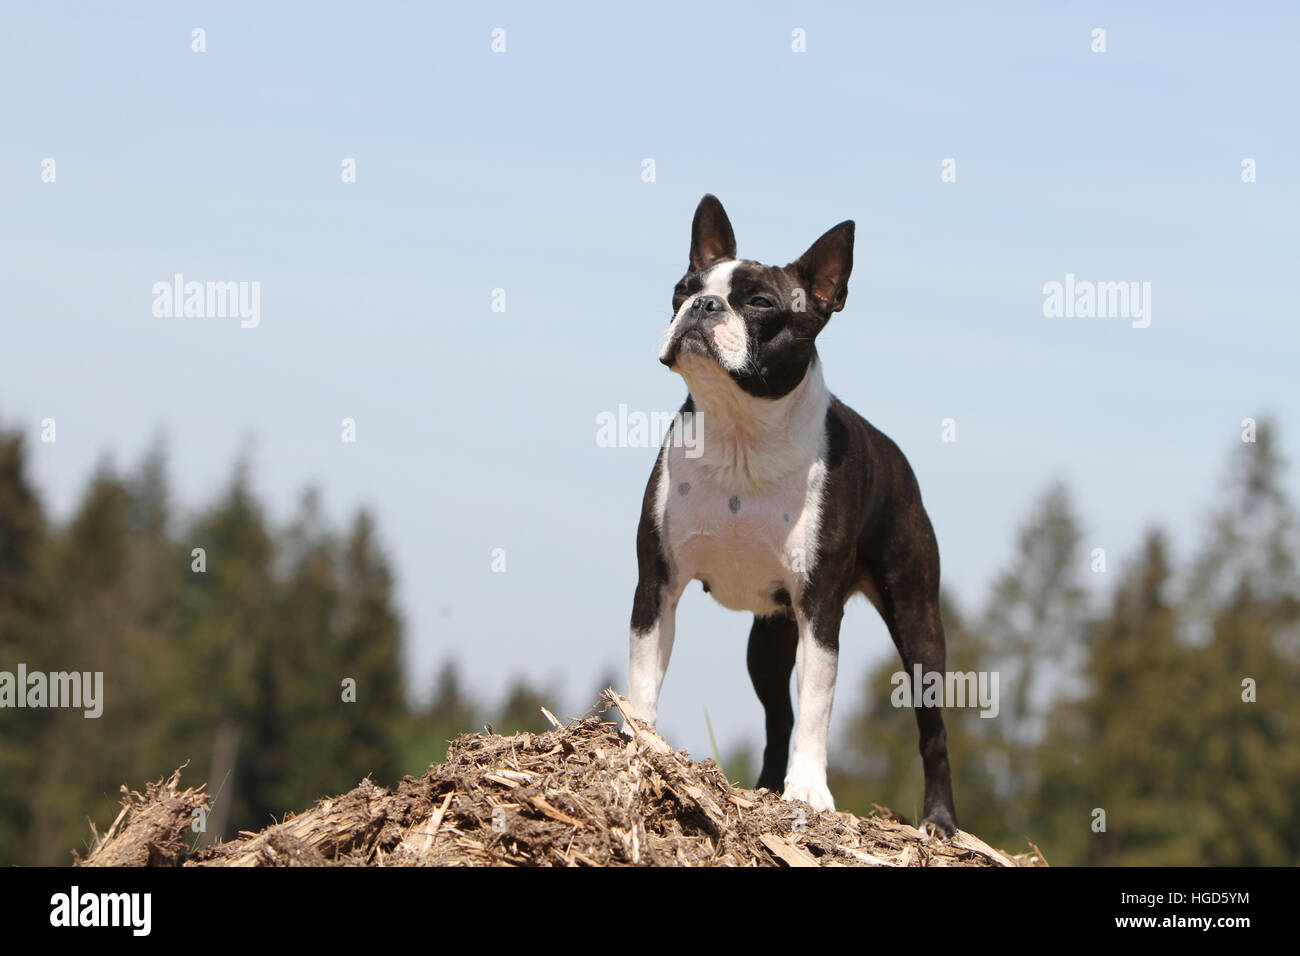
579, 795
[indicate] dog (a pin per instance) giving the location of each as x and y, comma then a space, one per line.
791, 503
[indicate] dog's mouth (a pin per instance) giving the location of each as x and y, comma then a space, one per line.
690, 341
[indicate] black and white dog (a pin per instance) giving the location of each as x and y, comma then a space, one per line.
790, 504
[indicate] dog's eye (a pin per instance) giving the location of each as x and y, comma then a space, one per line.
762, 302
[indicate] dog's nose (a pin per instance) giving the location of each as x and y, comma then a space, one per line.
705, 304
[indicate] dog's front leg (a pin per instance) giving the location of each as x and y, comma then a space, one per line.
816, 661
653, 626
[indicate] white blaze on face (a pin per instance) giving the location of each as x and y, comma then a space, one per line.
729, 334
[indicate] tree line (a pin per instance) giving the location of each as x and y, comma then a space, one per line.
1153, 718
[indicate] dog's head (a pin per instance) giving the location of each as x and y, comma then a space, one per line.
753, 323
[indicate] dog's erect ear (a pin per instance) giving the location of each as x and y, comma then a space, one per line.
711, 237
824, 269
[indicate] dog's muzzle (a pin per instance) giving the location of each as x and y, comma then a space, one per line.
696, 329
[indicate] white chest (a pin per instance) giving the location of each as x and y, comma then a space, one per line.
746, 544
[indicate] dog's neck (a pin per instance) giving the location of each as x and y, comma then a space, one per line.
749, 443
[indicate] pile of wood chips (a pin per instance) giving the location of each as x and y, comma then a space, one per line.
579, 795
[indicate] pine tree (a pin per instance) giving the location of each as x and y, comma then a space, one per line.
1116, 750
226, 624
1246, 706
371, 654
83, 759
1166, 739
26, 613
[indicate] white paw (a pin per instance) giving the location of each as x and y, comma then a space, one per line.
814, 793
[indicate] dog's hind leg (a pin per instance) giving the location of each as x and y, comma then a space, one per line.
915, 626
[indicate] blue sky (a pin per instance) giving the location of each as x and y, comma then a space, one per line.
522, 171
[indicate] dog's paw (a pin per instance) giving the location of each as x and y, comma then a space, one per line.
938, 825
815, 794
626, 731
